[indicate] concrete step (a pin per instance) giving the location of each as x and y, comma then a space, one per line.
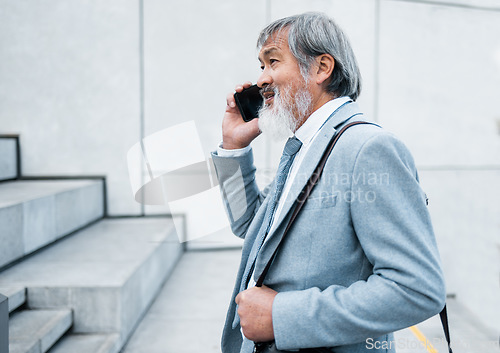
15, 294
106, 343
8, 157
108, 273
189, 313
36, 213
35, 331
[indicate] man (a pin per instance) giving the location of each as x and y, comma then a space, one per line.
360, 260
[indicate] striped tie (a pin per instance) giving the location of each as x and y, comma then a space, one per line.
292, 146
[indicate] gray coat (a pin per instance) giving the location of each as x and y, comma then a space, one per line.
360, 261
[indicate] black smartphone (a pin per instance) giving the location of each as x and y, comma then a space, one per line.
249, 102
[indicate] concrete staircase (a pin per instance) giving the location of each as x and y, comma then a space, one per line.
76, 280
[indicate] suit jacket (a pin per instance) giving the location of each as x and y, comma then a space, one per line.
360, 260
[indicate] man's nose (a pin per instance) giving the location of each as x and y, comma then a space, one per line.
264, 80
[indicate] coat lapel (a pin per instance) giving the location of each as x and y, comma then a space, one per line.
309, 163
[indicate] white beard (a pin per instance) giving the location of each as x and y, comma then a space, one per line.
278, 120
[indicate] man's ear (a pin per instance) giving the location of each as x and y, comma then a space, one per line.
325, 64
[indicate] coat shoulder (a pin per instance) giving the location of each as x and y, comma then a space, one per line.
367, 141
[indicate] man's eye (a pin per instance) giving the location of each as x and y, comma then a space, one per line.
271, 62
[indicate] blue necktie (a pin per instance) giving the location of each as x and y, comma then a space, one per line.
292, 146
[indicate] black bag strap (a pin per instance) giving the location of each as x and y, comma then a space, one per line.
443, 315
301, 200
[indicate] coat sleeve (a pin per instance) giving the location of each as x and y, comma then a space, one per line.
241, 195
396, 235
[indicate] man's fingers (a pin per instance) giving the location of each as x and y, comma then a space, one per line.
243, 86
255, 312
230, 100
239, 88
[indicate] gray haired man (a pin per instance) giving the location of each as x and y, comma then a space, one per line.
360, 260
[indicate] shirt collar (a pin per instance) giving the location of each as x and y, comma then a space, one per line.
317, 119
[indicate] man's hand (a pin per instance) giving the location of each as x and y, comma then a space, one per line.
255, 306
236, 133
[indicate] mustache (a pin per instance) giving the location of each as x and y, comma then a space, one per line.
268, 89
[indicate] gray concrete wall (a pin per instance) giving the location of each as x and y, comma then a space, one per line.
69, 85
438, 85
81, 85
8, 158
